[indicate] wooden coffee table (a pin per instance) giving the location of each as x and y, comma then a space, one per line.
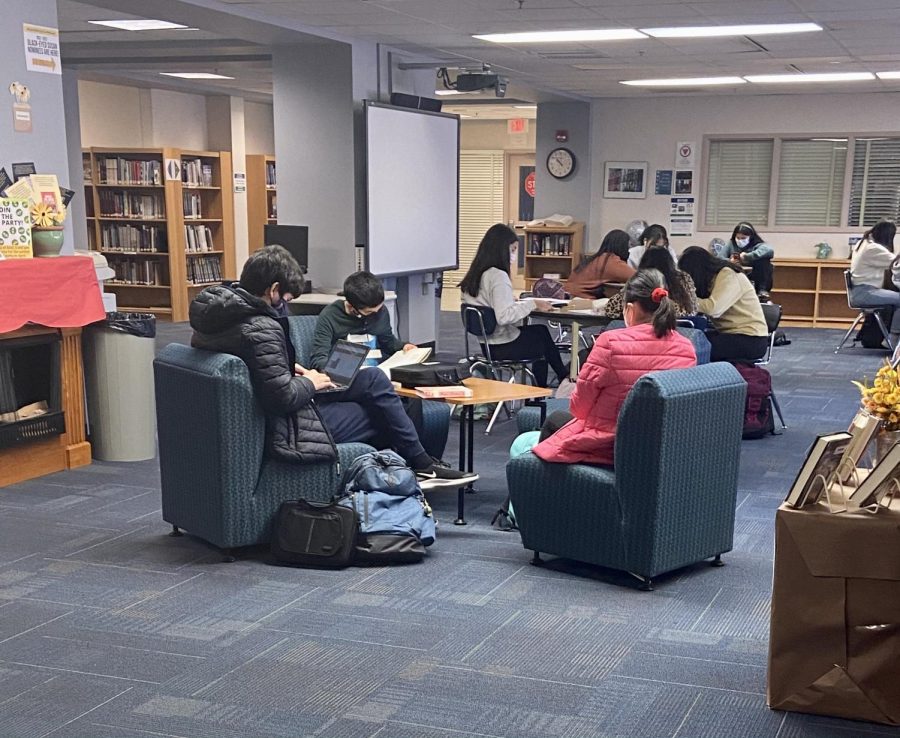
485, 391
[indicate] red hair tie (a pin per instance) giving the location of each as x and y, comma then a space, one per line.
658, 294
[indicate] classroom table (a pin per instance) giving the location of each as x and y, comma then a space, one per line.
576, 319
485, 391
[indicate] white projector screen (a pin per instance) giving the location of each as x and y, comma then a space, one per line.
412, 165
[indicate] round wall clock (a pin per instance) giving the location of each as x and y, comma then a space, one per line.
560, 162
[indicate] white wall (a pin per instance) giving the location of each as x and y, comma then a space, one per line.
113, 115
494, 134
259, 128
648, 130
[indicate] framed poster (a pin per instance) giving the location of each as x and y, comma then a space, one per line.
625, 179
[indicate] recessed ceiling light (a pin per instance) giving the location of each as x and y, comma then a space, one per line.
803, 78
141, 24
684, 81
759, 29
195, 75
526, 107
887, 75
534, 37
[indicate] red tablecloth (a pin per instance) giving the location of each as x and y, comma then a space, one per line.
59, 292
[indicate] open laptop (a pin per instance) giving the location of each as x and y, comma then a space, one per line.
343, 363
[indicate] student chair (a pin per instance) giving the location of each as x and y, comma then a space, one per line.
481, 322
772, 313
669, 501
864, 310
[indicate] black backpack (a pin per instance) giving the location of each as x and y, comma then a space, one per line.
869, 335
759, 419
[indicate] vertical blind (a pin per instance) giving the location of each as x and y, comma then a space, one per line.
811, 183
481, 189
738, 181
875, 185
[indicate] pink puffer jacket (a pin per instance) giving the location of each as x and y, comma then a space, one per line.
619, 358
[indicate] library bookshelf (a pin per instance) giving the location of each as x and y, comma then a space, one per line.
262, 197
552, 250
812, 293
164, 220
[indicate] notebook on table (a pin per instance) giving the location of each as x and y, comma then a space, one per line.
344, 361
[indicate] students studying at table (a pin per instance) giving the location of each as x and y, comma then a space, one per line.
487, 284
609, 264
725, 294
649, 342
653, 235
680, 285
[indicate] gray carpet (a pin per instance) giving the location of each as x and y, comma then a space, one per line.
110, 628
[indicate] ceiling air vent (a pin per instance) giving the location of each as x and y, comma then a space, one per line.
569, 55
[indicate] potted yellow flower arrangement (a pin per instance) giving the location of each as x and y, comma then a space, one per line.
882, 399
47, 229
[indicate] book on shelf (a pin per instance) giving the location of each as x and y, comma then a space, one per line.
882, 480
119, 171
198, 238
204, 269
557, 220
148, 272
444, 392
124, 204
404, 358
193, 205
128, 237
270, 174
196, 173
862, 429
822, 461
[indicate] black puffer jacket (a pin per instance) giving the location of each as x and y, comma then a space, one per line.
231, 320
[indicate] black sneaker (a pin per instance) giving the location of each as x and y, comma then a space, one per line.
439, 474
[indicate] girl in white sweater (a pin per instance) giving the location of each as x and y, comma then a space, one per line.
870, 258
487, 284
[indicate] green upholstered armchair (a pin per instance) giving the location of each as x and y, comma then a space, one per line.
669, 502
216, 482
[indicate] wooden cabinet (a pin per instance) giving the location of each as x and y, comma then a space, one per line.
164, 220
262, 200
812, 292
552, 251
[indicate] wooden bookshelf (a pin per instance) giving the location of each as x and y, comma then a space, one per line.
552, 250
812, 293
262, 202
164, 220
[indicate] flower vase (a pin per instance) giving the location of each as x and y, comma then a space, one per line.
47, 240
884, 441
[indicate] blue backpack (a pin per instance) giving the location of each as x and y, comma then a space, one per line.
395, 522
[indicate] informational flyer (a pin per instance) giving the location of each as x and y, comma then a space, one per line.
684, 181
15, 229
663, 182
684, 154
681, 216
41, 49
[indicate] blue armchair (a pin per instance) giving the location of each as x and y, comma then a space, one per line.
435, 415
216, 482
669, 502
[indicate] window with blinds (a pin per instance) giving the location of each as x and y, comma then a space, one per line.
481, 188
811, 182
738, 178
875, 184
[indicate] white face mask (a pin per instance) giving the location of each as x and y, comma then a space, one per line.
742, 242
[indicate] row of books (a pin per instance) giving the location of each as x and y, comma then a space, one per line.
116, 170
831, 465
273, 207
121, 204
127, 237
550, 244
198, 238
196, 173
270, 174
193, 205
138, 271
204, 269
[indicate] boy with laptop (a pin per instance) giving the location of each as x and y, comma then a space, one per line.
303, 423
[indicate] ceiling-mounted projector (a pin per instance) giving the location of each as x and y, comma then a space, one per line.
475, 81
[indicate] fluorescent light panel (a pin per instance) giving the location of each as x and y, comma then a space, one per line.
141, 24
195, 75
766, 79
684, 81
534, 37
887, 75
757, 29
526, 107
449, 92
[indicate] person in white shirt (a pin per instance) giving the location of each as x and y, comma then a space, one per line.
487, 284
870, 258
653, 235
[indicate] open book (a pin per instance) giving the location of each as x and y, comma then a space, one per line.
404, 358
555, 220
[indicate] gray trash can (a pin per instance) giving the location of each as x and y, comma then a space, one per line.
121, 405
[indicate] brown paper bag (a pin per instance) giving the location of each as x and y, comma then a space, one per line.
834, 646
